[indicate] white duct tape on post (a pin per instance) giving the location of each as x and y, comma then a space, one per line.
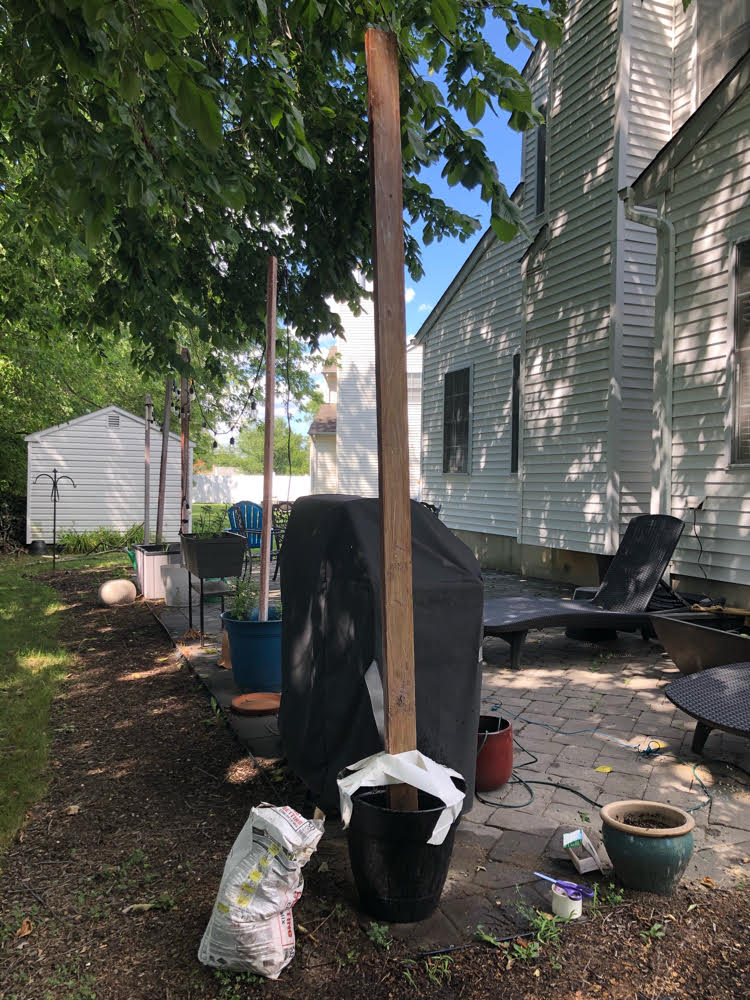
408, 768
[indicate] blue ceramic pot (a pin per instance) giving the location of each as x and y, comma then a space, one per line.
255, 648
651, 858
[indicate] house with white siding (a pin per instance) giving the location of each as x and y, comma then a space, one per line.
344, 441
103, 453
696, 196
538, 382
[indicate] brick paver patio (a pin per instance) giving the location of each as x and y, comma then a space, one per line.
575, 707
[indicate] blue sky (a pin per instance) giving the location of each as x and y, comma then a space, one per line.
443, 259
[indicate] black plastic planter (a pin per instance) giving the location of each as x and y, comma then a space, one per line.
213, 558
399, 876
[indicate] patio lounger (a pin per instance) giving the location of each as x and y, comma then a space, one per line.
719, 698
621, 601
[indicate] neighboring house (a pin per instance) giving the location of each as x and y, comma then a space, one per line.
700, 184
103, 453
538, 359
344, 443
323, 472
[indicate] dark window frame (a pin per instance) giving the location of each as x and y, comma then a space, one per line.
515, 414
541, 164
740, 290
457, 387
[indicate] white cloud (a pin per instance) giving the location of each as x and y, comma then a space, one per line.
425, 307
410, 293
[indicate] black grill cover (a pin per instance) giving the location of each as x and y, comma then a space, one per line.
330, 592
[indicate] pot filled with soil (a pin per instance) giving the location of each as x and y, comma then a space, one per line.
494, 753
254, 646
649, 843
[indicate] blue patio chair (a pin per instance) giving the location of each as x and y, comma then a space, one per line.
246, 518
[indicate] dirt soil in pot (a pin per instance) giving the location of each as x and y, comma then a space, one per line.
106, 890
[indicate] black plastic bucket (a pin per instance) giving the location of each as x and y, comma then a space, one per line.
399, 876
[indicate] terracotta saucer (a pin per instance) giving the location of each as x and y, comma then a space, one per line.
257, 703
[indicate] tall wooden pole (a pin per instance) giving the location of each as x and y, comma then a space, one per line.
390, 377
265, 537
163, 462
147, 473
184, 446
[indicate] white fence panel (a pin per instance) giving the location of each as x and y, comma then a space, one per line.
225, 487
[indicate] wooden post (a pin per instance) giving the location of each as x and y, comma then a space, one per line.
265, 537
390, 377
184, 445
163, 462
147, 473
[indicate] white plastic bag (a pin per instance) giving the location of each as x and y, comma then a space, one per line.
251, 926
408, 768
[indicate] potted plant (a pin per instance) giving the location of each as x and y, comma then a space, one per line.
254, 646
210, 553
649, 843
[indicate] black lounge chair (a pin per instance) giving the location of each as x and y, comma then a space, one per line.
621, 601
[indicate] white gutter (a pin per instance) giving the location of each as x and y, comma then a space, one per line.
661, 433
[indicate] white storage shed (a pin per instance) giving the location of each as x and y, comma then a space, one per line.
103, 453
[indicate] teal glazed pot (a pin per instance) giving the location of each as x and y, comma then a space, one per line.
649, 843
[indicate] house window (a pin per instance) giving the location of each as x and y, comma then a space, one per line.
723, 38
456, 413
413, 387
742, 354
541, 163
515, 413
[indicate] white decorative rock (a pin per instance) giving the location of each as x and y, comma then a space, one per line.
117, 592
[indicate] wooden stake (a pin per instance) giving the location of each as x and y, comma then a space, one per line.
390, 376
265, 536
184, 446
163, 462
147, 473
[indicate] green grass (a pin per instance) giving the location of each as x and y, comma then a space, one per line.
32, 665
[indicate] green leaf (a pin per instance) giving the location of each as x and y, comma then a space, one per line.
275, 117
305, 157
209, 122
416, 142
130, 86
234, 197
155, 60
444, 16
187, 23
189, 102
475, 106
263, 8
503, 229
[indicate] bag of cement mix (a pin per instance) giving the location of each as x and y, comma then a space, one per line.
251, 926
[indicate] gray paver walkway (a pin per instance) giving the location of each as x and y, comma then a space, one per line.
606, 698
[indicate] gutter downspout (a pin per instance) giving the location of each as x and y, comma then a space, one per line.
661, 432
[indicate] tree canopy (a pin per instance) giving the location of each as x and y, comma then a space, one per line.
172, 146
290, 452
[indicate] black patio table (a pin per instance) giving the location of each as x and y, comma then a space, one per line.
719, 698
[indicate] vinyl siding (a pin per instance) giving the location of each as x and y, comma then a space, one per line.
480, 329
684, 98
323, 464
356, 422
710, 208
107, 466
648, 126
568, 296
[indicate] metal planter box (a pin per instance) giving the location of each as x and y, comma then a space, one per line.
216, 557
149, 560
692, 646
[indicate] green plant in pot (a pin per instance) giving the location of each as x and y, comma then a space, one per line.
254, 646
210, 553
649, 843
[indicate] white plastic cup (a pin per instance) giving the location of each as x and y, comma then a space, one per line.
564, 906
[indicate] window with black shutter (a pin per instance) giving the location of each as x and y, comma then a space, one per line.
541, 163
456, 420
515, 413
742, 354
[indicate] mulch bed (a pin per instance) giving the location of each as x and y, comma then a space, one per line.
147, 792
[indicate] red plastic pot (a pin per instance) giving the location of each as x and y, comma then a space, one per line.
494, 753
